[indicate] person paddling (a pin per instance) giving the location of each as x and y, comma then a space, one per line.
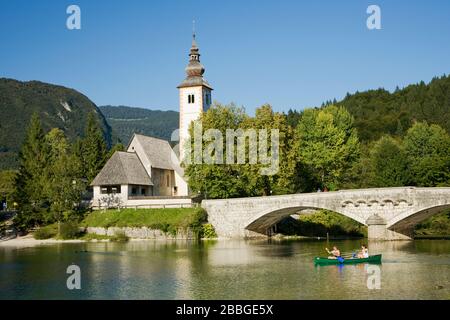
364, 252
335, 253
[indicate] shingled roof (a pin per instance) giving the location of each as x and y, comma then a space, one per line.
158, 151
123, 168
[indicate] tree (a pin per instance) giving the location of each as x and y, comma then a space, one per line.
283, 181
245, 177
65, 186
217, 180
116, 147
327, 144
389, 164
31, 180
94, 149
7, 185
427, 149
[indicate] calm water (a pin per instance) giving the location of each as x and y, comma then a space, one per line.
222, 270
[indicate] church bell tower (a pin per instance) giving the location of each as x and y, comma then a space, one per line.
195, 95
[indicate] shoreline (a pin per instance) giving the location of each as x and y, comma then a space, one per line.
28, 241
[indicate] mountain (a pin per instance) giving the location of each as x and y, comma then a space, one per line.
128, 120
57, 106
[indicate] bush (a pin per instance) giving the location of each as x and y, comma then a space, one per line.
199, 217
94, 236
46, 232
119, 236
207, 231
69, 230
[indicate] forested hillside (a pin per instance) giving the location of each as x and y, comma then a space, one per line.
378, 112
128, 120
57, 107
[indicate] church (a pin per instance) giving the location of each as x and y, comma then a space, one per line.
148, 173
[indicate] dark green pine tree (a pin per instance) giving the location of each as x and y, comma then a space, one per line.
94, 149
31, 181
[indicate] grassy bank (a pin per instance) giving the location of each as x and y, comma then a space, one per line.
168, 219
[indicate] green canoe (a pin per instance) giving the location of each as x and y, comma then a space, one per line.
326, 261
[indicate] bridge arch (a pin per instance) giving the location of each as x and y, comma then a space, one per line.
265, 219
411, 218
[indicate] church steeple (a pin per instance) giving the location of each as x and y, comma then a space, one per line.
194, 69
195, 93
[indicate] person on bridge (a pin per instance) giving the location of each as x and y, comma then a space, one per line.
335, 253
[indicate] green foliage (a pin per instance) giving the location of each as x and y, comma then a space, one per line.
125, 121
46, 232
207, 231
31, 187
116, 147
217, 180
436, 225
389, 163
226, 180
168, 220
421, 158
427, 148
323, 222
378, 112
94, 236
19, 100
64, 186
327, 144
119, 236
50, 181
69, 230
7, 185
94, 149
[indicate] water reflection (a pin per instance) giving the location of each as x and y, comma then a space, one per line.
223, 270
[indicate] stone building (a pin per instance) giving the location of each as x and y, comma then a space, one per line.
149, 168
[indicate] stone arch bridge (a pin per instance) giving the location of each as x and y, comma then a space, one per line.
389, 213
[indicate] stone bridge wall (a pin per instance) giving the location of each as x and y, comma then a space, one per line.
390, 213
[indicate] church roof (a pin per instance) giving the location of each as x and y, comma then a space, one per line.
194, 82
123, 168
158, 151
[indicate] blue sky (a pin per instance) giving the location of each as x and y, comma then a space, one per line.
291, 54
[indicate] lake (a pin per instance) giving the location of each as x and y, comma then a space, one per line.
225, 269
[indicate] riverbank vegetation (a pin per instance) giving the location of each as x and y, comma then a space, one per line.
70, 231
323, 224
168, 220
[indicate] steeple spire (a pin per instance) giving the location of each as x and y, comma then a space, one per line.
194, 69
